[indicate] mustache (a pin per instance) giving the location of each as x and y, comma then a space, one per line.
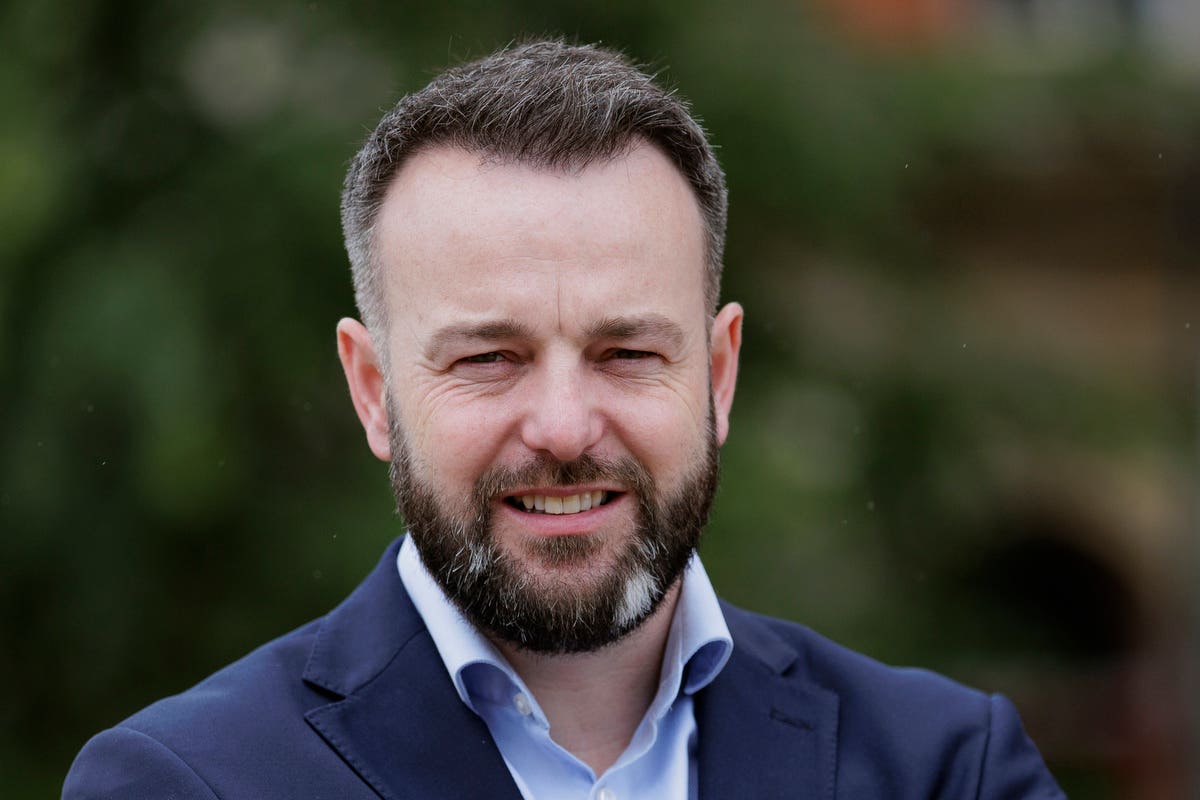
545, 470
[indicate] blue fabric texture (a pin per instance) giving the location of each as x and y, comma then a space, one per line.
358, 704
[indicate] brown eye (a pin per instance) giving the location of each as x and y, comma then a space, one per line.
631, 354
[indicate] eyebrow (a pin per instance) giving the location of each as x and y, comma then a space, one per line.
488, 331
654, 326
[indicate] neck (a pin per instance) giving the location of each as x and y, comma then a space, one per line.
595, 701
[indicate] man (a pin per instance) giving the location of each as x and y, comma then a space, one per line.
536, 243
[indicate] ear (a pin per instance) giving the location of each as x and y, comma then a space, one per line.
724, 346
367, 386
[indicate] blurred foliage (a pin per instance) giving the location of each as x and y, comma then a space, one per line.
182, 476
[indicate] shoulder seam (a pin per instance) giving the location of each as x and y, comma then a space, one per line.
987, 741
175, 755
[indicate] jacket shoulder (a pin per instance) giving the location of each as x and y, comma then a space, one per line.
905, 731
848, 672
256, 688
125, 763
883, 685
241, 726
245, 730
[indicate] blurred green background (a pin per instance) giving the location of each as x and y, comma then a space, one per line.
965, 232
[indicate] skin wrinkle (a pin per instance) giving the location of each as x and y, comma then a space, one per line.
484, 332
642, 332
649, 325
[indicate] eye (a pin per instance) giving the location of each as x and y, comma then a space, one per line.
630, 355
483, 358
495, 367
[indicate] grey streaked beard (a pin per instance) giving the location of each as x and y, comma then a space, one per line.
500, 596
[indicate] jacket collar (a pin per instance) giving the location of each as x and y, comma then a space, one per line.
398, 723
765, 729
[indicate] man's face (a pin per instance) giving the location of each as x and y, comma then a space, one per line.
548, 347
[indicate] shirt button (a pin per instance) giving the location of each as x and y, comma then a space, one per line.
523, 707
606, 794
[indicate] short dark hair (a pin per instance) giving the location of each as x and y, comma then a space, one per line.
547, 104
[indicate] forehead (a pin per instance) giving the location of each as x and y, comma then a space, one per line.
459, 237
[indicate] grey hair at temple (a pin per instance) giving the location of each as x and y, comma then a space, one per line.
547, 104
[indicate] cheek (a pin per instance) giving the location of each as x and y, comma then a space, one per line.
665, 435
454, 440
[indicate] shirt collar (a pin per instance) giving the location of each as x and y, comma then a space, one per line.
698, 644
458, 642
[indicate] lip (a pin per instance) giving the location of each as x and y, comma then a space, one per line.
581, 523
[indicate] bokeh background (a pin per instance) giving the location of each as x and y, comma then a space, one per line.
965, 232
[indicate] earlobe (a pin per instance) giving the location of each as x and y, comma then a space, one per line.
364, 377
725, 345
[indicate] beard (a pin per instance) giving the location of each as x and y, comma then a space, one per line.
554, 610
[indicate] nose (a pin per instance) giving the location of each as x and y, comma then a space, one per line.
561, 418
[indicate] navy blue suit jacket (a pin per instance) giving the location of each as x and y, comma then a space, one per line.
358, 705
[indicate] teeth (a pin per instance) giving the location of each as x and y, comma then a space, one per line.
571, 504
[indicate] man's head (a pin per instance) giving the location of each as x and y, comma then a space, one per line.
545, 374
543, 104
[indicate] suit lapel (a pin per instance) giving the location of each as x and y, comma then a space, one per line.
764, 730
399, 723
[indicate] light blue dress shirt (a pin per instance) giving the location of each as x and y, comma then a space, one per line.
660, 760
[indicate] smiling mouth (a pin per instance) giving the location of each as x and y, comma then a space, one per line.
570, 504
